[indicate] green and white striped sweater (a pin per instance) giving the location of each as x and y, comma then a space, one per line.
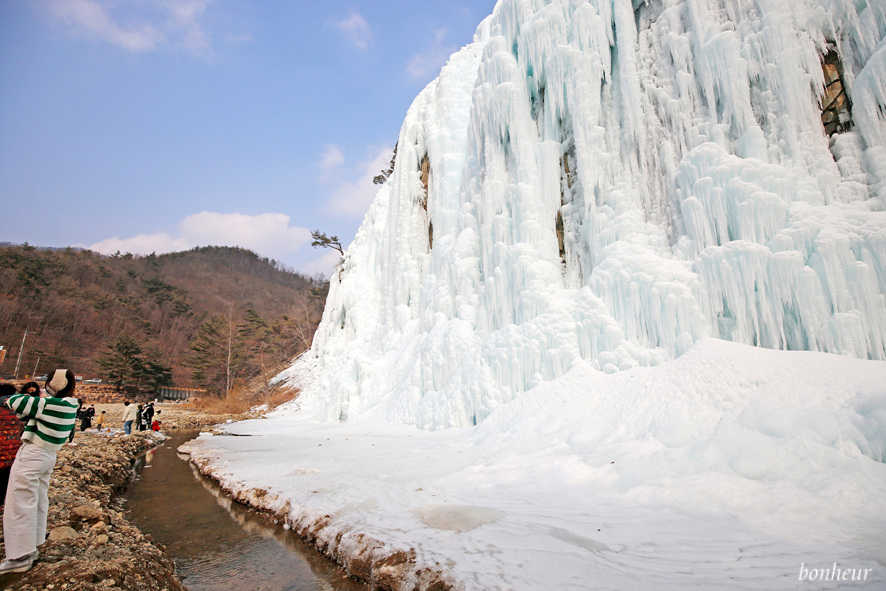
50, 420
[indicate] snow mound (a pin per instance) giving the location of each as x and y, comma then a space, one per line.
731, 467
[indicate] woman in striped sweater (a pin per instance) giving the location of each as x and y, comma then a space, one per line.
50, 419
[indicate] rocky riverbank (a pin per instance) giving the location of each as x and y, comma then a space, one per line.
91, 546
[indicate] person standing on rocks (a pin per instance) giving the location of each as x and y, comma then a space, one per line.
87, 416
10, 436
77, 416
129, 415
51, 417
148, 414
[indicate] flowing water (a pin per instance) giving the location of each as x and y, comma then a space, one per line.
217, 543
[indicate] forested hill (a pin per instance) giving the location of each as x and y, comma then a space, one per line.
211, 317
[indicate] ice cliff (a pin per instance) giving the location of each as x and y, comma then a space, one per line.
612, 181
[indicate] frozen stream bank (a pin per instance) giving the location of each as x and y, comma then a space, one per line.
730, 467
218, 544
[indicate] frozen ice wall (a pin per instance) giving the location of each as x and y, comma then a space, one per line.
612, 181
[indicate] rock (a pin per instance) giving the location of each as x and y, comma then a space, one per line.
87, 512
63, 533
101, 540
100, 528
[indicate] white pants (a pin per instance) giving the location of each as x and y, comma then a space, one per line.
27, 500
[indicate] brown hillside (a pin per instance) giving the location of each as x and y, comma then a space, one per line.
74, 303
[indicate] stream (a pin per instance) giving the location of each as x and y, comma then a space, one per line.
218, 544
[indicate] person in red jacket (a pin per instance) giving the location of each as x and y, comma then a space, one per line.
10, 437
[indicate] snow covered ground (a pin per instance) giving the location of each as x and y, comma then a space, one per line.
731, 467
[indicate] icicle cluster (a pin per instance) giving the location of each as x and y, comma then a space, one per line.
611, 181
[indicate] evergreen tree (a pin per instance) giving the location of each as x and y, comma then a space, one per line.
321, 239
154, 375
122, 363
256, 337
126, 364
215, 354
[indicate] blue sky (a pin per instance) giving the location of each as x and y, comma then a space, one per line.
158, 125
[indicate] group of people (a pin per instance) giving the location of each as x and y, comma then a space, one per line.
85, 416
142, 416
34, 424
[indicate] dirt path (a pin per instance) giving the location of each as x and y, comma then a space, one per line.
91, 545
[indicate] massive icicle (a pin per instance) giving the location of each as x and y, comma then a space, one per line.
612, 181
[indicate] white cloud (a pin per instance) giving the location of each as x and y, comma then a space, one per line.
142, 244
331, 159
137, 26
268, 234
184, 17
426, 65
353, 197
356, 30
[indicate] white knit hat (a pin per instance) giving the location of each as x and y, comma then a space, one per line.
58, 382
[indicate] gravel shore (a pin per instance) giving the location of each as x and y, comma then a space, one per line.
90, 545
